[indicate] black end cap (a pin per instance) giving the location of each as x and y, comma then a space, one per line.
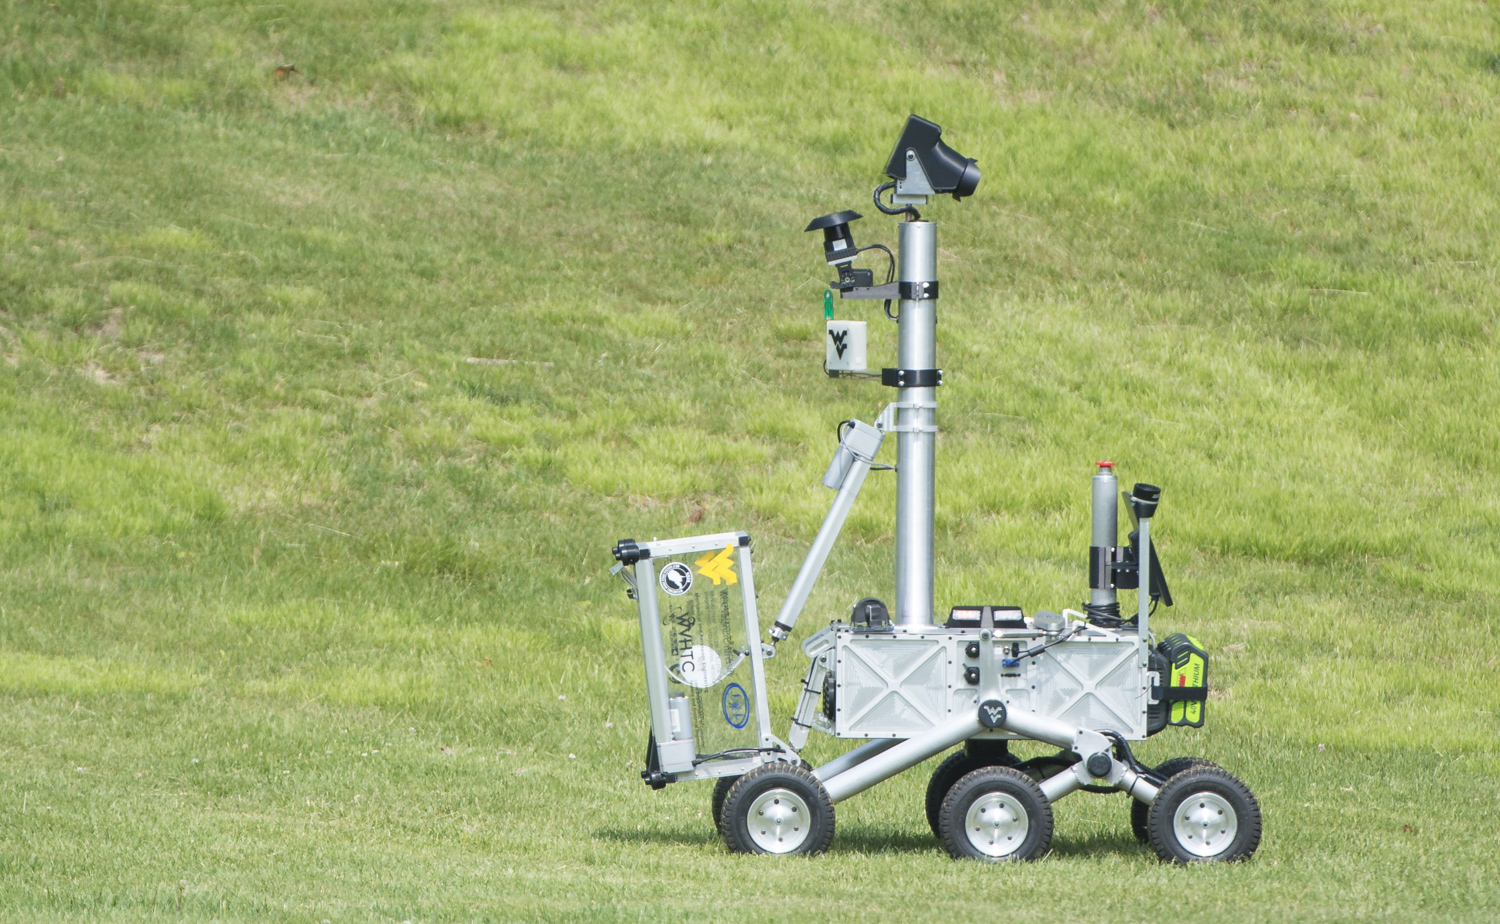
1098, 764
1144, 499
655, 779
628, 552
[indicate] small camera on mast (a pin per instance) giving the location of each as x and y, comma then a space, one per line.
839, 249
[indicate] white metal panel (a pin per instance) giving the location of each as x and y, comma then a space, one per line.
902, 684
891, 685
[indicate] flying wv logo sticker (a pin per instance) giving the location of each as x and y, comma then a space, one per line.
718, 568
992, 713
838, 337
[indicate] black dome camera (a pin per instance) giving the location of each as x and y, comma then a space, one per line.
839, 249
838, 243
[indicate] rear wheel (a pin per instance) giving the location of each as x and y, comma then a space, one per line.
1166, 770
996, 814
777, 809
947, 773
1204, 815
721, 792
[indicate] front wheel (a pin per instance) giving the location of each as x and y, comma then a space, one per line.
1166, 770
996, 814
778, 809
1202, 815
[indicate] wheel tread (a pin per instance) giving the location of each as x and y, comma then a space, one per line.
721, 792
948, 772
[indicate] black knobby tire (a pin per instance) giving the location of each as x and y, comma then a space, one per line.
1220, 820
776, 792
1166, 770
1022, 829
721, 792
947, 773
956, 766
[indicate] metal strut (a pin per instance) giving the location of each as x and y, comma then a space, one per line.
916, 429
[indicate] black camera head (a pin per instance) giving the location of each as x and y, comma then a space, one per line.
838, 242
922, 165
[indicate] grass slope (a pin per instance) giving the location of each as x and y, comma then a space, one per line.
305, 617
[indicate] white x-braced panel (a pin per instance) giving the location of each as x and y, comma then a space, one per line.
891, 686
1094, 686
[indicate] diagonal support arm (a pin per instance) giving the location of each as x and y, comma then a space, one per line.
851, 463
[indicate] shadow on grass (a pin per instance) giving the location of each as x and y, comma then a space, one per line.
860, 839
678, 836
1098, 845
869, 840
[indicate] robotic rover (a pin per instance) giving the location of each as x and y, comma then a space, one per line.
1087, 682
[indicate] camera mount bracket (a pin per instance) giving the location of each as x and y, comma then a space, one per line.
911, 378
906, 291
914, 188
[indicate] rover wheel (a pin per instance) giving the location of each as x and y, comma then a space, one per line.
996, 814
1166, 770
1204, 814
777, 809
957, 765
721, 792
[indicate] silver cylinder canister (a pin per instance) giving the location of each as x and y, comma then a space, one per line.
681, 717
916, 349
1105, 536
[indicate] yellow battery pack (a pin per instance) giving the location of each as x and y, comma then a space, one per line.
1185, 687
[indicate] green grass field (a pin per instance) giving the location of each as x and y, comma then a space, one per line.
304, 617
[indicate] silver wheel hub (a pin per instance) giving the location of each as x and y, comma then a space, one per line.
1205, 824
996, 824
778, 821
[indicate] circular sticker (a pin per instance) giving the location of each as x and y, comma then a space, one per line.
700, 666
736, 705
676, 579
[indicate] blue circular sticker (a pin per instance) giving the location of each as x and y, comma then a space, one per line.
736, 705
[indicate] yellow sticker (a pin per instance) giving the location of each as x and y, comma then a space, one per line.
718, 568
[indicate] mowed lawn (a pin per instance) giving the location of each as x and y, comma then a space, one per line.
304, 616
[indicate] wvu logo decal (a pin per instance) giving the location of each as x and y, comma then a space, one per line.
992, 713
838, 337
718, 568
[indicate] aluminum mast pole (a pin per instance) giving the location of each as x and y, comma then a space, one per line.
916, 430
